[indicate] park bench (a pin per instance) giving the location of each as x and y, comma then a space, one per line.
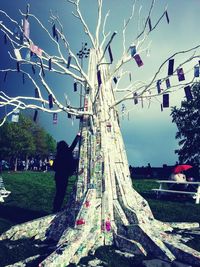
195, 186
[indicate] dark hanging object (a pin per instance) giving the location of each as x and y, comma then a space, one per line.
5, 76
130, 77
110, 54
161, 107
27, 10
115, 80
167, 17
171, 67
168, 85
75, 87
5, 39
23, 78
36, 93
69, 116
135, 98
21, 38
41, 64
150, 26
55, 118
138, 60
188, 93
196, 71
165, 100
180, 73
35, 116
158, 86
69, 61
18, 67
99, 77
33, 69
50, 101
54, 30
133, 50
50, 64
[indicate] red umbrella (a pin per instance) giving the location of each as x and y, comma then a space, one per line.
180, 168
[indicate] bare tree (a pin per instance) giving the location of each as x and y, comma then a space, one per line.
104, 208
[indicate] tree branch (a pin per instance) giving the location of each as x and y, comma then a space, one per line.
86, 29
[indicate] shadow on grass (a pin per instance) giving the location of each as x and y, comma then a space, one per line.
19, 250
19, 215
168, 197
109, 256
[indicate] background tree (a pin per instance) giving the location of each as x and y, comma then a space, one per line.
24, 139
104, 208
187, 119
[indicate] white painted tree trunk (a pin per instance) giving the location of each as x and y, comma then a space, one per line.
104, 208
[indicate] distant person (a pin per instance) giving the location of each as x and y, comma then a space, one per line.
178, 177
64, 167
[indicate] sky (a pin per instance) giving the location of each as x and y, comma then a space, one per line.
148, 133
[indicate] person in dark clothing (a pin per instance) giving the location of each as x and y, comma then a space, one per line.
64, 167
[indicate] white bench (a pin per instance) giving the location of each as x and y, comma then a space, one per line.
195, 187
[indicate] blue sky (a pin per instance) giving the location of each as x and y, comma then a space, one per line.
148, 133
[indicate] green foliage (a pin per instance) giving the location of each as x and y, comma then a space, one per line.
187, 119
25, 138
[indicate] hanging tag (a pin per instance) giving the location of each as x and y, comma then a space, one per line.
41, 64
171, 67
161, 107
115, 80
69, 115
149, 22
165, 100
158, 86
5, 39
99, 78
54, 30
33, 69
188, 93
21, 38
168, 85
138, 60
50, 64
36, 93
133, 50
110, 54
196, 71
75, 87
27, 10
167, 17
17, 54
180, 73
135, 98
69, 61
35, 115
18, 67
50, 101
55, 118
26, 28
15, 116
129, 76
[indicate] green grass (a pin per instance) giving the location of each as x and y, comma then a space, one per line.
31, 197
169, 208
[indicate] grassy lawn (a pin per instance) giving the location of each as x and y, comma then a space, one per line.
32, 195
